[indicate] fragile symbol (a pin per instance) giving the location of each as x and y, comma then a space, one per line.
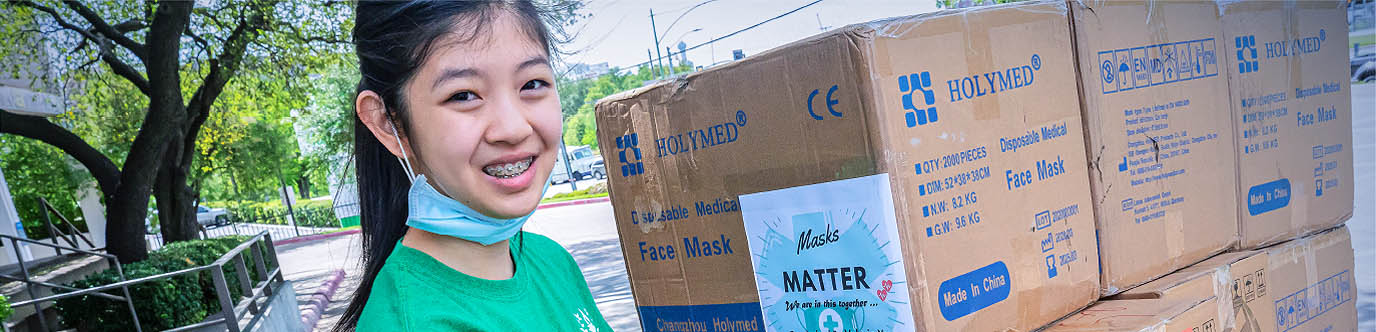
1108, 71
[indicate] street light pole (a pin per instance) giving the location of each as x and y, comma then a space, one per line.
654, 32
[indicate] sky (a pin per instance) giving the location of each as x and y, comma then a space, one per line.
618, 31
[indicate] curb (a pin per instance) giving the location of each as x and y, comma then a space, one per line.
314, 237
574, 202
321, 300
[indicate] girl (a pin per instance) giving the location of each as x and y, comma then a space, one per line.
457, 125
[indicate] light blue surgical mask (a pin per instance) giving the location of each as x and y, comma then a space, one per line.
431, 211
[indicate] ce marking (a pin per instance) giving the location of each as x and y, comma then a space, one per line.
830, 103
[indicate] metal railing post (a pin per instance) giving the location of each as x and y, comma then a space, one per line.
138, 326
226, 306
47, 221
37, 306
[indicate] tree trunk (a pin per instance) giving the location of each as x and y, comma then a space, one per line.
304, 185
176, 202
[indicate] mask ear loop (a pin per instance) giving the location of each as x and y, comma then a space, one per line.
404, 159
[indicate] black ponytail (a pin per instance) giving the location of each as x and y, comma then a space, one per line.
392, 39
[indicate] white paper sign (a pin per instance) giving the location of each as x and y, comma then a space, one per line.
827, 257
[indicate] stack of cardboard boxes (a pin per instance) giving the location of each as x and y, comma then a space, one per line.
1288, 110
995, 168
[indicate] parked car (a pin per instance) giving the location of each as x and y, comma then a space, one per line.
586, 164
211, 217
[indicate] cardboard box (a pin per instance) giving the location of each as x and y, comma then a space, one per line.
1159, 135
1302, 285
922, 173
1292, 107
1144, 315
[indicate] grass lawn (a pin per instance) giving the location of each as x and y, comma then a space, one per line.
584, 195
342, 229
1364, 39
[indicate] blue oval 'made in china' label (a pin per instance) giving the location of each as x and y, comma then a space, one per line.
1268, 196
975, 290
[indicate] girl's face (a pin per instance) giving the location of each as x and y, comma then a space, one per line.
485, 117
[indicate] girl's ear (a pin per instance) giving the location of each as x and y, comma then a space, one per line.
373, 113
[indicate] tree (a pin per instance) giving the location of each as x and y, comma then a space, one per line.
35, 170
580, 98
180, 55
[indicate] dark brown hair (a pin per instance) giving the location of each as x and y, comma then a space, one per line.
392, 40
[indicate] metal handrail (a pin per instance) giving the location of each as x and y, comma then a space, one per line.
228, 315
70, 238
56, 246
28, 284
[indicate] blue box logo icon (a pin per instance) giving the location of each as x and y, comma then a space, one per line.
1246, 53
915, 82
630, 164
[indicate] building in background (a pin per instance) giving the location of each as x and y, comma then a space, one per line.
33, 89
583, 71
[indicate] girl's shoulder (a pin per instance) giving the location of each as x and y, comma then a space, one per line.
538, 242
542, 249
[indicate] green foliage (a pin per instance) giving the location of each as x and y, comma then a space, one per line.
161, 304
310, 213
34, 169
5, 310
597, 190
578, 101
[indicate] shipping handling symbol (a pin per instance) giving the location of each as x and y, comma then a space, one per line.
915, 82
1107, 69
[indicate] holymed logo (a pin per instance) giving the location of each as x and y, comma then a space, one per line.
1246, 53
701, 138
913, 83
961, 89
630, 165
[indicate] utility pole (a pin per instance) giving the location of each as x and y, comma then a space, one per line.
654, 32
671, 60
568, 169
651, 56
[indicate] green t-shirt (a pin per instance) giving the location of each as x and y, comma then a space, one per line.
415, 292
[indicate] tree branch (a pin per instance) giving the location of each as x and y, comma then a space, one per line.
130, 26
105, 172
205, 46
222, 68
118, 66
107, 30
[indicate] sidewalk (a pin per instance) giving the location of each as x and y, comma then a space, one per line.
309, 264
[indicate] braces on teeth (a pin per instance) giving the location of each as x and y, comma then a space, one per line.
508, 170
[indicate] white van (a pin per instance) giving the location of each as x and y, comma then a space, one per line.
586, 164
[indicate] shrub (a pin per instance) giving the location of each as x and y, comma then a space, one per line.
5, 310
162, 304
308, 213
